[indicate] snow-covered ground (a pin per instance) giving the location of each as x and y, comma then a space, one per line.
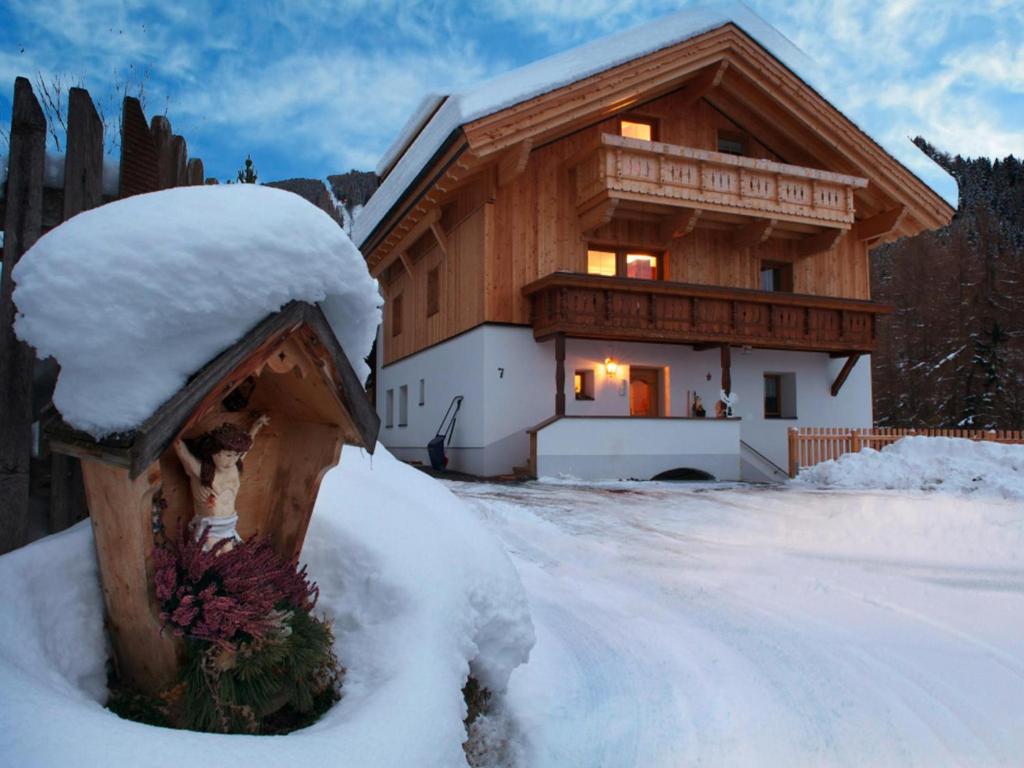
688, 625
420, 594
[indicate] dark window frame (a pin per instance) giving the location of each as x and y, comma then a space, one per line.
737, 137
784, 278
433, 291
777, 413
389, 408
396, 315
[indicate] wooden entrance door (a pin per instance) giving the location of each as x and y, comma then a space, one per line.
644, 391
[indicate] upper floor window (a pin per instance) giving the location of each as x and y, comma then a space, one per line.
643, 128
624, 262
776, 276
433, 292
396, 315
602, 262
732, 143
642, 265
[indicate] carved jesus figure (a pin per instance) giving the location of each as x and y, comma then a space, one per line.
215, 478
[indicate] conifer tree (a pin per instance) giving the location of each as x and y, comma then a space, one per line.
247, 175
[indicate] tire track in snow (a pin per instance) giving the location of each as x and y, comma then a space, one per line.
673, 630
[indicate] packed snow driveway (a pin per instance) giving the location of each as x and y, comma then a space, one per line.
693, 625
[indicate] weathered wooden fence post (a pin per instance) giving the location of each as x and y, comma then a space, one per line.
794, 461
83, 189
22, 226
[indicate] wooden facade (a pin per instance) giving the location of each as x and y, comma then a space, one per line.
520, 195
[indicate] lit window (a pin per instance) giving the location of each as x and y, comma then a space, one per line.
623, 262
601, 263
584, 385
642, 266
635, 129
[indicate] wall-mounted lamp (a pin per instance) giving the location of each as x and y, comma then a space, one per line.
610, 366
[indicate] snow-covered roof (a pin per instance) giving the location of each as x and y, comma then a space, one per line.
419, 142
133, 297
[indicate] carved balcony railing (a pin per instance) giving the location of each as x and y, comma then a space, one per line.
596, 307
651, 171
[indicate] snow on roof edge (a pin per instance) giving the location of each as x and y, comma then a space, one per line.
424, 111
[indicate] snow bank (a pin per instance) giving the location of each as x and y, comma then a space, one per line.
133, 297
954, 465
420, 593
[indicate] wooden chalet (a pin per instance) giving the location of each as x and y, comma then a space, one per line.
671, 208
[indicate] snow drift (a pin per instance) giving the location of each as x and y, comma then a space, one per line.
133, 297
420, 593
950, 464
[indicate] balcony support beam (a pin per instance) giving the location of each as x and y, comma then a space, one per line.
680, 226
441, 237
754, 233
881, 224
598, 215
820, 243
513, 162
844, 373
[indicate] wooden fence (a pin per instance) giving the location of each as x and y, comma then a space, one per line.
152, 157
811, 445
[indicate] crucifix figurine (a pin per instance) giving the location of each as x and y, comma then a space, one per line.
215, 478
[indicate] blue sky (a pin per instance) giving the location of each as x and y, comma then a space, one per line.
311, 88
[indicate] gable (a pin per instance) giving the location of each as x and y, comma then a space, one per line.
723, 65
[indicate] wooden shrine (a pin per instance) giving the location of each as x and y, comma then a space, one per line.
291, 368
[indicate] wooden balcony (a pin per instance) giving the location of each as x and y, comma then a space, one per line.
651, 172
596, 307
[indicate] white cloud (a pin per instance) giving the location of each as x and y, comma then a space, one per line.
344, 106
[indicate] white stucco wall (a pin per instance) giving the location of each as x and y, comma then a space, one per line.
449, 369
689, 371
508, 381
625, 448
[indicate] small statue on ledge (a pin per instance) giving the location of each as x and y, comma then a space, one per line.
214, 477
698, 407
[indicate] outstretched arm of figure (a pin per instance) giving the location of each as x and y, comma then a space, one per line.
259, 424
190, 462
261, 421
